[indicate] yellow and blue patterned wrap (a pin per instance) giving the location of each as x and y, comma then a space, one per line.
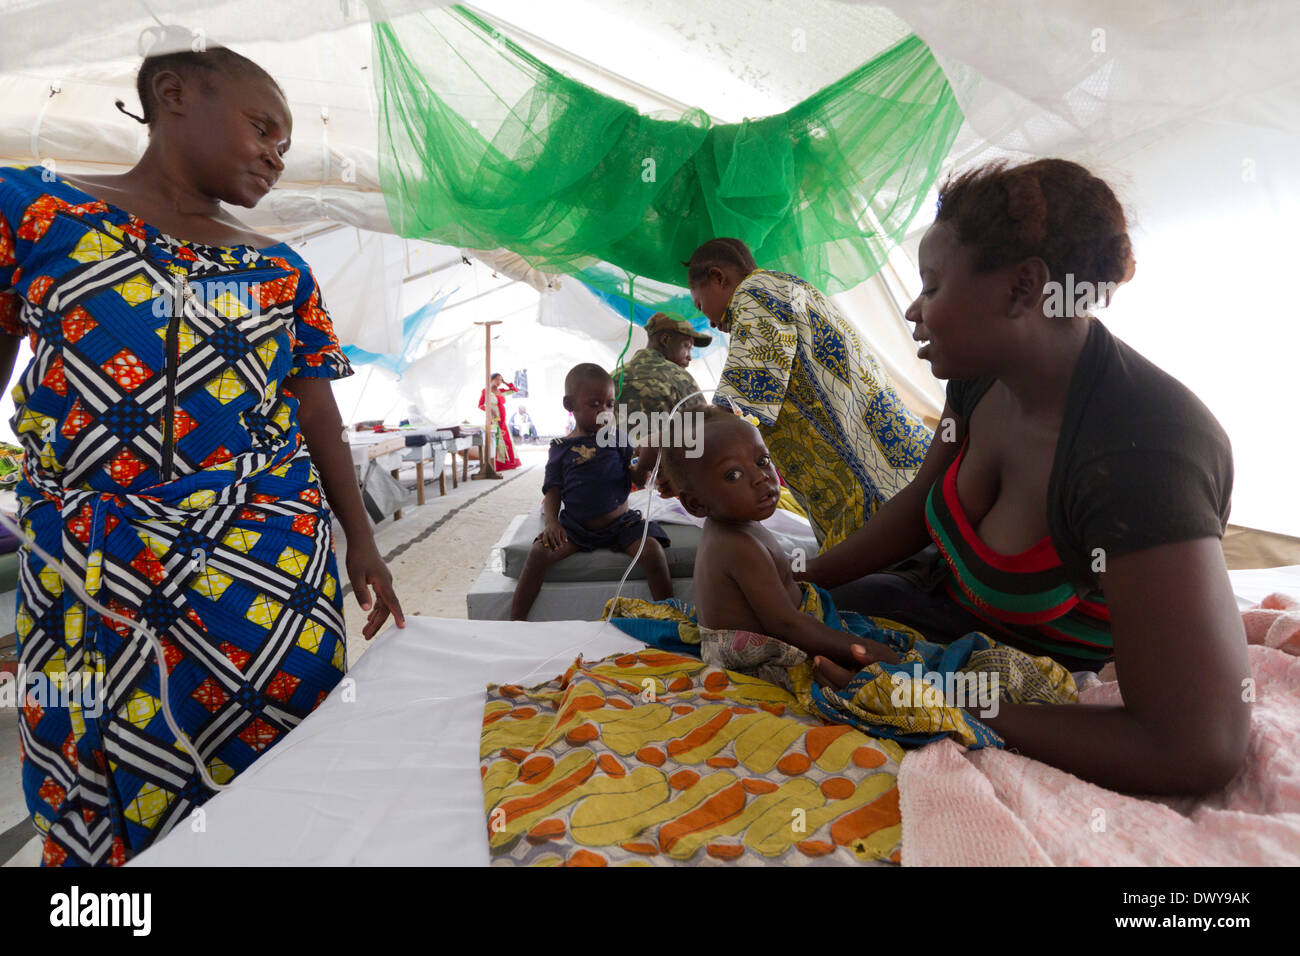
839, 433
935, 690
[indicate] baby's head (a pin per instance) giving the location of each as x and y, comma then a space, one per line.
589, 394
732, 479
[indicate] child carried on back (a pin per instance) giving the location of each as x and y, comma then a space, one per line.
752, 614
585, 495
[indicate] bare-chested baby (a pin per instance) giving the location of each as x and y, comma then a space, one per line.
745, 593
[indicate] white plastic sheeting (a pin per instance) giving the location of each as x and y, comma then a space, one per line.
1192, 110
360, 276
386, 774
1070, 77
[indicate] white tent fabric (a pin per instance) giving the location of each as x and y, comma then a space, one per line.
360, 275
1070, 77
1191, 110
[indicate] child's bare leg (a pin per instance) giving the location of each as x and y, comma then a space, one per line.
655, 563
539, 560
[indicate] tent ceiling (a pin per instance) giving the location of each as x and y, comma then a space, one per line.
1191, 109
731, 58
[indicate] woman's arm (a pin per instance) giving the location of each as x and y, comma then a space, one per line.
322, 428
1180, 654
756, 575
897, 530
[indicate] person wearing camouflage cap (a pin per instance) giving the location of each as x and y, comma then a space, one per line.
656, 379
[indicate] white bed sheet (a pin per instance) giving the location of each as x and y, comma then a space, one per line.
391, 777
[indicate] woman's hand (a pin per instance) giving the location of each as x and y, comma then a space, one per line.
366, 569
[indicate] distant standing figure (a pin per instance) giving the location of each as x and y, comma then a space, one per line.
503, 447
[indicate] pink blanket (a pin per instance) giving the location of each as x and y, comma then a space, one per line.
993, 808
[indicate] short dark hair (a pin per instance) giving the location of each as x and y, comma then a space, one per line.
1052, 209
587, 372
192, 65
672, 455
719, 253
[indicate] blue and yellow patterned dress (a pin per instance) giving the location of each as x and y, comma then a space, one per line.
164, 465
839, 434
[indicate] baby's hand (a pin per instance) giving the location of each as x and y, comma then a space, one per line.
862, 654
867, 652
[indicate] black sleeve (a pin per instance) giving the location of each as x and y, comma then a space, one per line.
965, 394
1166, 489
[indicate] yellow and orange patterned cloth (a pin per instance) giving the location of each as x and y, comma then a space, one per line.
654, 758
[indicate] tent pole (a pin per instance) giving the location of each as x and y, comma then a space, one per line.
487, 457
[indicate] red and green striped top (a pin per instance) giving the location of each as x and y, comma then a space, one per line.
1028, 595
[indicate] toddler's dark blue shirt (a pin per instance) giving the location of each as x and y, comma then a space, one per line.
593, 480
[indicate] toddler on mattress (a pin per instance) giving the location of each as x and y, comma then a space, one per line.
590, 477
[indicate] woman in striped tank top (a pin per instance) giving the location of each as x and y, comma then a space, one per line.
1073, 501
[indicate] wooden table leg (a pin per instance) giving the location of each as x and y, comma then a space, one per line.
454, 482
397, 515
465, 457
419, 482
442, 477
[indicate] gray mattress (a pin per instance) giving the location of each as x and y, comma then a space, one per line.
610, 565
600, 565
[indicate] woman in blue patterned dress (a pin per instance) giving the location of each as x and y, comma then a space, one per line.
179, 430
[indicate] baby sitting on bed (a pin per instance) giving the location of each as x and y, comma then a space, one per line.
591, 478
752, 614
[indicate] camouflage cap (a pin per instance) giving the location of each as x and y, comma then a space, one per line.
674, 322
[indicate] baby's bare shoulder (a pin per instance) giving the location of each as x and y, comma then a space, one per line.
736, 540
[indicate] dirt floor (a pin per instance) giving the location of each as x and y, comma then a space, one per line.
436, 551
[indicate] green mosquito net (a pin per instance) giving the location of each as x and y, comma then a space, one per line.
483, 146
